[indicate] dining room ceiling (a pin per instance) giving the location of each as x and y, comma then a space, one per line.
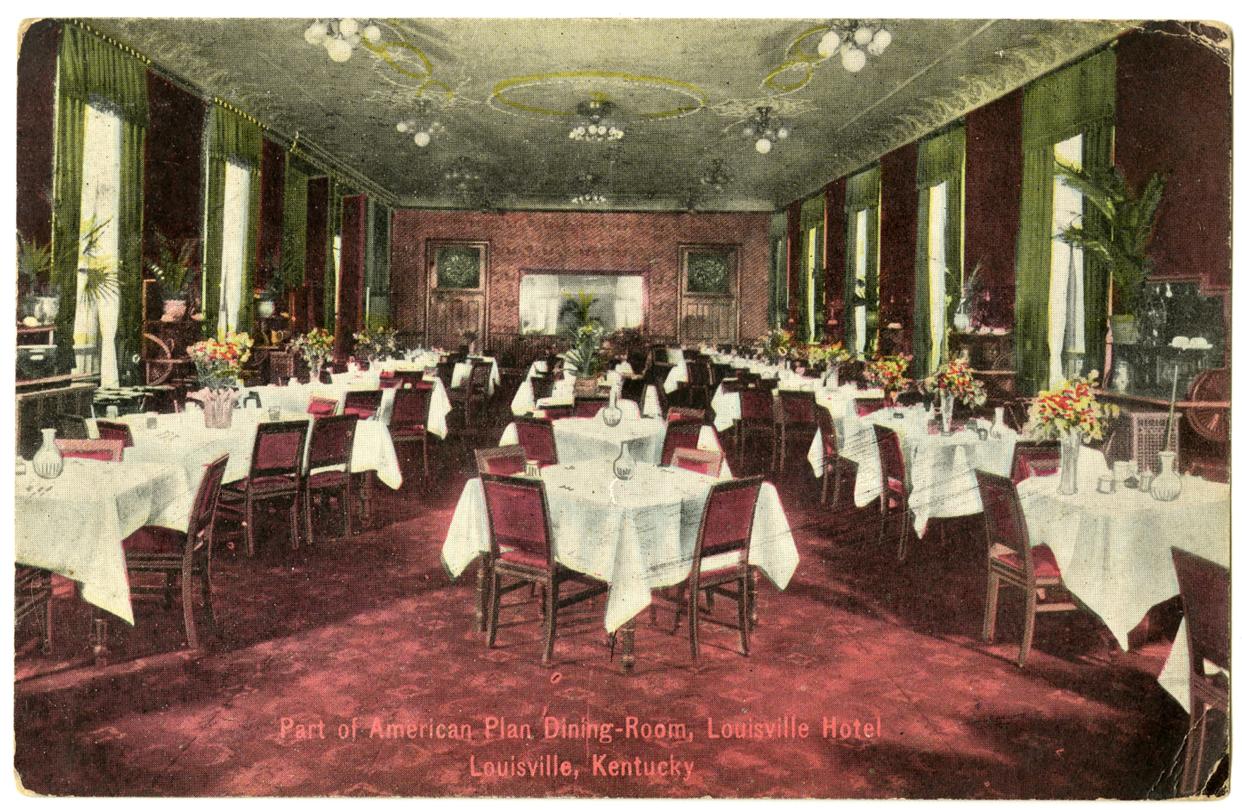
505, 92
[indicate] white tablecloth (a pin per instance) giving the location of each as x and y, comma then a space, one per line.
181, 439
728, 406
635, 535
295, 397
562, 389
76, 528
422, 360
585, 439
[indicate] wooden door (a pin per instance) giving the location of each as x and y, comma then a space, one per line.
456, 293
708, 311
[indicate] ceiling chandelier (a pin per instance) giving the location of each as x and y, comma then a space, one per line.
422, 123
716, 177
463, 177
340, 37
598, 127
765, 129
854, 39
589, 192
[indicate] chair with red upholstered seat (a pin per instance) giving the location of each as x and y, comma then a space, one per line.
721, 562
678, 414
388, 379
553, 412
32, 596
537, 439
507, 460
1035, 458
1013, 562
868, 406
93, 449
363, 404
183, 555
1204, 587
115, 430
635, 390
831, 476
517, 511
894, 499
328, 467
408, 378
681, 433
795, 419
586, 407
411, 410
757, 419
541, 386
275, 473
321, 406
699, 382
706, 462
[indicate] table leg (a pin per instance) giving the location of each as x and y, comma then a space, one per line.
100, 640
627, 646
754, 599
481, 588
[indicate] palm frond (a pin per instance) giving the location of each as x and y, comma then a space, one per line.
1095, 187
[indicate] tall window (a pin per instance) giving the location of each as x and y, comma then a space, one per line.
233, 248
98, 293
862, 263
814, 311
859, 264
336, 273
937, 269
1067, 317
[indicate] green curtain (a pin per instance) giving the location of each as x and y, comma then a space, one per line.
810, 264
229, 138
377, 265
862, 192
942, 159
293, 224
776, 274
1097, 153
90, 70
1077, 99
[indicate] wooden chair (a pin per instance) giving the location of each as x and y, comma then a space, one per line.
321, 406
706, 462
517, 511
757, 419
182, 555
280, 367
275, 473
1204, 587
32, 596
554, 412
1013, 562
93, 449
71, 426
699, 383
507, 460
634, 389
472, 399
541, 387
411, 410
893, 495
721, 562
1034, 458
536, 438
868, 406
115, 430
679, 434
586, 407
831, 474
795, 419
328, 462
363, 404
677, 414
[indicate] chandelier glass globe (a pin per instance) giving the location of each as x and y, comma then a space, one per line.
316, 32
853, 40
829, 44
339, 50
879, 42
763, 146
421, 139
340, 37
853, 59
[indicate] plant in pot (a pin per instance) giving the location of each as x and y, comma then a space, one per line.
575, 312
375, 343
34, 269
316, 347
1119, 236
964, 315
270, 298
218, 364
176, 270
584, 360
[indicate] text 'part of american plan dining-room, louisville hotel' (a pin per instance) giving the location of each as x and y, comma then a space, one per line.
622, 407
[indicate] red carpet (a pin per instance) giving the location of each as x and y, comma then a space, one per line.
371, 627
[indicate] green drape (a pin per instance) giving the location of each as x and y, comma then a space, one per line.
90, 70
776, 276
229, 138
1097, 153
377, 265
811, 264
293, 225
862, 192
942, 159
1077, 99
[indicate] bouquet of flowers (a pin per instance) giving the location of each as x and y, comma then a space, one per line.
315, 346
219, 362
830, 355
377, 343
776, 345
957, 379
889, 372
1071, 407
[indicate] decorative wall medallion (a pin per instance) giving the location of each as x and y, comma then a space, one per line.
707, 273
458, 267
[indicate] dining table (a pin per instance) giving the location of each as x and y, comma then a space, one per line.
637, 535
1114, 548
424, 359
295, 397
562, 390
727, 405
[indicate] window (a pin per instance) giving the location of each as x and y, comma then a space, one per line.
814, 313
98, 298
859, 263
618, 300
336, 273
1066, 309
937, 268
236, 226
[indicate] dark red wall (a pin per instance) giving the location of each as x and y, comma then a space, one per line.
36, 78
173, 174
316, 250
349, 316
578, 241
271, 211
834, 256
899, 223
1173, 116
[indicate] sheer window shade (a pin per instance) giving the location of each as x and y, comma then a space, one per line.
938, 252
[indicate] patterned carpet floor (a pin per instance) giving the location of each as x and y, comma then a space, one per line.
318, 650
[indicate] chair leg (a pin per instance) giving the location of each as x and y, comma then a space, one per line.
348, 505
694, 623
905, 530
47, 643
743, 617
552, 597
308, 503
493, 614
1028, 629
483, 600
681, 603
1190, 767
187, 604
293, 521
249, 526
989, 614
208, 611
752, 598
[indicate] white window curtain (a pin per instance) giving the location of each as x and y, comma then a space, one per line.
860, 281
336, 274
628, 303
812, 242
538, 303
233, 249
937, 268
1066, 314
95, 319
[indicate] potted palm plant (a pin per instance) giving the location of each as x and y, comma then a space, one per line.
1119, 237
175, 268
34, 268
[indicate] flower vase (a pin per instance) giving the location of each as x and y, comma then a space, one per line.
624, 466
611, 415
266, 308
890, 398
961, 320
217, 408
174, 309
1168, 484
946, 412
832, 377
47, 461
1070, 444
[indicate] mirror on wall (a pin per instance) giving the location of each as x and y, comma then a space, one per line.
618, 300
